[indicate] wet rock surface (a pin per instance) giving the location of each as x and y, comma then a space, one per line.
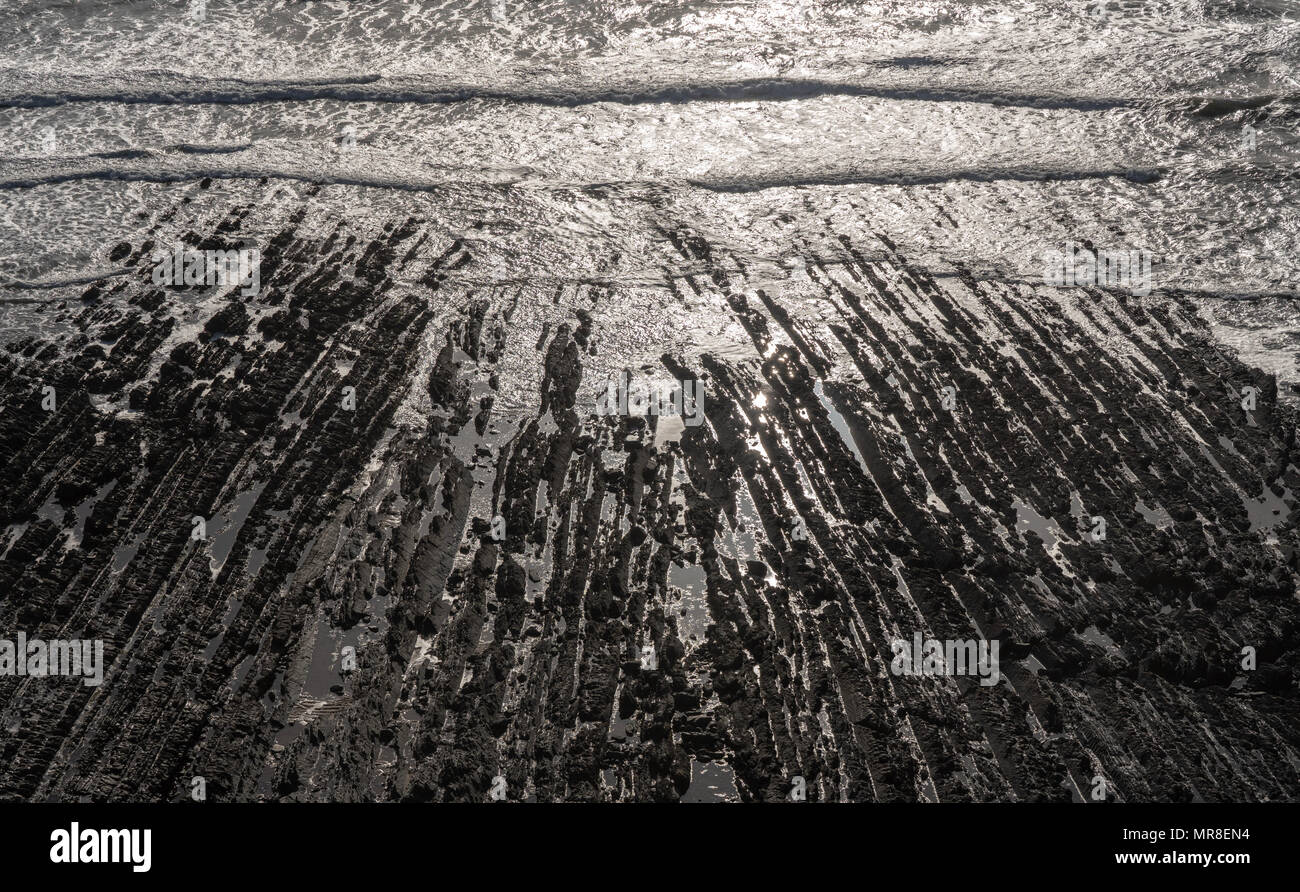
430, 562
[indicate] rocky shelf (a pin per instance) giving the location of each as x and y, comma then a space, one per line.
430, 570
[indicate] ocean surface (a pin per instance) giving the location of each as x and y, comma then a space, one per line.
557, 137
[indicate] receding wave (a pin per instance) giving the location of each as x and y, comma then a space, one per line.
752, 183
146, 154
497, 177
1218, 106
486, 177
171, 89
18, 284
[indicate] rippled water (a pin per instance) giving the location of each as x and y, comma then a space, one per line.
559, 135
